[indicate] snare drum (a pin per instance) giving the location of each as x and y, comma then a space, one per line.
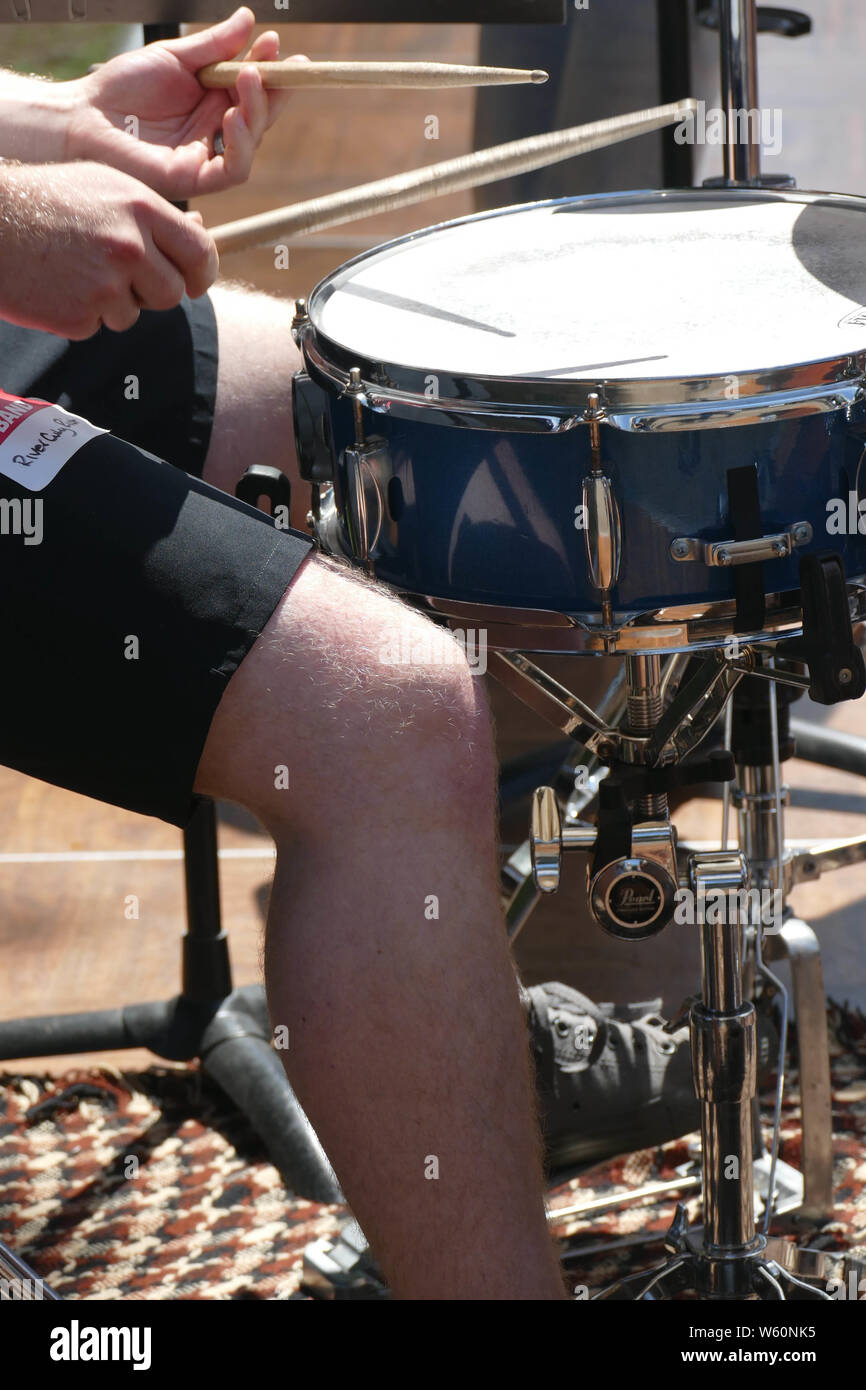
602, 423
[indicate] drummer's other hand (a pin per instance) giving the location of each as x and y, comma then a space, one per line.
84, 245
146, 113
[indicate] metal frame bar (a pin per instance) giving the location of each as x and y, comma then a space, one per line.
798, 943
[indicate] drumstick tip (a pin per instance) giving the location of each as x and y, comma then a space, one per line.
539, 76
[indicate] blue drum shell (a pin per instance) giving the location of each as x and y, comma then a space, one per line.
488, 516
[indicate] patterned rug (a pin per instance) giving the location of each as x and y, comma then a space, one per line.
151, 1186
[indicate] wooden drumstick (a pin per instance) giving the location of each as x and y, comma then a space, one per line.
449, 176
294, 74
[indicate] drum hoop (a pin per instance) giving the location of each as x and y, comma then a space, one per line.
693, 627
543, 405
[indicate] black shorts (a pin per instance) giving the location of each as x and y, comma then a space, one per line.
131, 548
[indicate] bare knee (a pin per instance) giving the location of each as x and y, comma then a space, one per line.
351, 706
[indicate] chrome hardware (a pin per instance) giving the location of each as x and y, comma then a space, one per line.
300, 319
716, 415
364, 506
687, 629
645, 407
718, 871
738, 36
631, 897
362, 463
545, 840
790, 678
356, 505
724, 554
645, 709
635, 897
355, 389
548, 838
697, 722
593, 415
547, 697
603, 531
329, 532
825, 858
723, 1036
552, 701
745, 798
603, 534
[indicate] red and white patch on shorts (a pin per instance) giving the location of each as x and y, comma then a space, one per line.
37, 438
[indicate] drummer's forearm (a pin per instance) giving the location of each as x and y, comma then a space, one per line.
34, 117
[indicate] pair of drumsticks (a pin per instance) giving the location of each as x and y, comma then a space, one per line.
434, 180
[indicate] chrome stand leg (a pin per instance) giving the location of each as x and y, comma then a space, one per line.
724, 1066
760, 798
724, 1069
798, 943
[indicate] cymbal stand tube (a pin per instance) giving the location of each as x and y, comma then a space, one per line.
738, 28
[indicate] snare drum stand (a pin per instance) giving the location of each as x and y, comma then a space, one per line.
736, 897
729, 1258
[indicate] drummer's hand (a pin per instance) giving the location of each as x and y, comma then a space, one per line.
146, 113
82, 245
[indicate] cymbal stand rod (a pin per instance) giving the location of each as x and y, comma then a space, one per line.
738, 28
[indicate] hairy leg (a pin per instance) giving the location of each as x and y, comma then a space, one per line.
386, 952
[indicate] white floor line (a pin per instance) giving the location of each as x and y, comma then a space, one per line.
105, 856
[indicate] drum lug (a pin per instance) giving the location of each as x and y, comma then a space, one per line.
725, 554
603, 531
603, 524
300, 320
364, 465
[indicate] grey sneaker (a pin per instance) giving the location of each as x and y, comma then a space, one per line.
610, 1080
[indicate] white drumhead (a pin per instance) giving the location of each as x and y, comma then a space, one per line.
632, 287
